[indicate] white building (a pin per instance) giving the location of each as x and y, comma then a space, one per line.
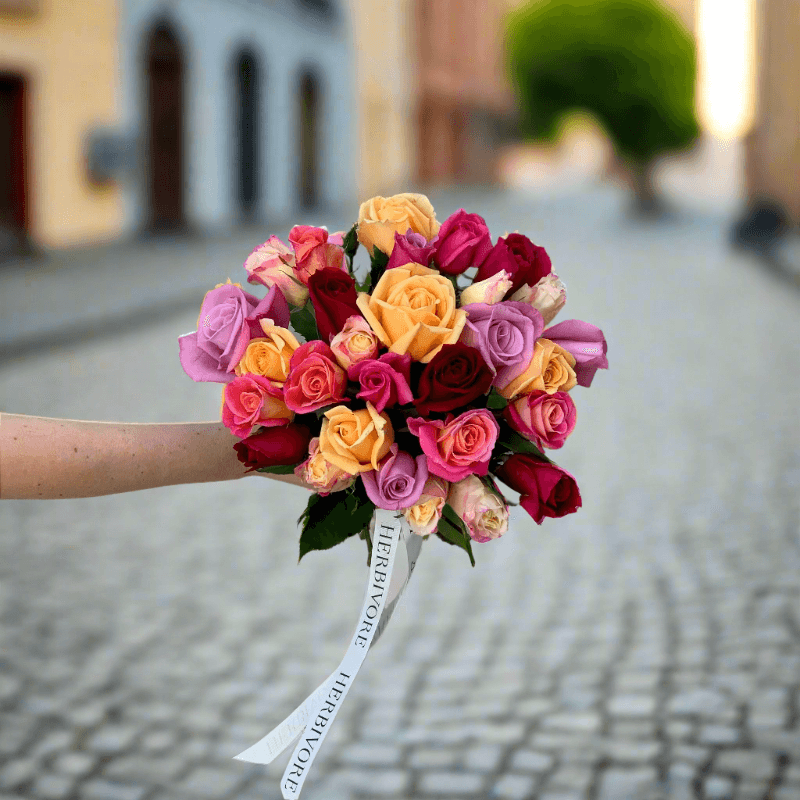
240, 108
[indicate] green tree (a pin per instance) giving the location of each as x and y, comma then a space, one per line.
629, 63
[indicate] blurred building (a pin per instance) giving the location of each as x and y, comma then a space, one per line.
58, 86
244, 109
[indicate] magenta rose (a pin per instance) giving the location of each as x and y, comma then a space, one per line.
398, 482
275, 447
504, 334
545, 489
459, 446
315, 379
411, 248
546, 419
229, 319
384, 381
252, 400
524, 261
464, 242
333, 294
585, 342
315, 249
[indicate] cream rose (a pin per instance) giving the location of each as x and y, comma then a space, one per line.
320, 474
269, 355
355, 441
547, 297
355, 342
413, 310
424, 516
381, 217
490, 291
483, 511
551, 370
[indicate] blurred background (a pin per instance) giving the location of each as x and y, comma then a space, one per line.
645, 648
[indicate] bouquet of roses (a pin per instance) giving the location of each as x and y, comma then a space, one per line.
407, 394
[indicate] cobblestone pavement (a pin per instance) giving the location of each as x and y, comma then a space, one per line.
646, 648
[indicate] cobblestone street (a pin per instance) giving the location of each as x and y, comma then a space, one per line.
645, 648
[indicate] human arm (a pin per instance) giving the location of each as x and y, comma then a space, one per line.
44, 458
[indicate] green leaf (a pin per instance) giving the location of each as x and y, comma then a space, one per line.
351, 242
328, 521
451, 528
279, 469
378, 267
516, 443
305, 323
496, 401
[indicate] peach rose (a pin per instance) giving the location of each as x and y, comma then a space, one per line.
355, 342
413, 310
355, 441
551, 370
320, 474
269, 355
381, 217
424, 516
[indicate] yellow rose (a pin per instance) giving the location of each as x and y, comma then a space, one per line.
413, 310
551, 370
269, 356
355, 441
381, 217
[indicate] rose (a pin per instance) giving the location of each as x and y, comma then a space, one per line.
413, 310
229, 319
355, 441
269, 355
274, 447
550, 370
547, 297
384, 381
356, 341
483, 511
252, 400
423, 517
547, 419
505, 335
585, 343
324, 477
460, 445
314, 250
454, 377
409, 248
398, 482
546, 490
333, 293
381, 217
492, 290
520, 257
315, 379
464, 241
273, 264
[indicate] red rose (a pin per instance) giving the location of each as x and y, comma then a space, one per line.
545, 489
524, 261
275, 447
333, 295
455, 376
463, 242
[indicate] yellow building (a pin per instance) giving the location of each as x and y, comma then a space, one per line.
58, 84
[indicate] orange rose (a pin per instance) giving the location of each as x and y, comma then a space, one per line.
413, 310
381, 217
269, 356
551, 370
355, 441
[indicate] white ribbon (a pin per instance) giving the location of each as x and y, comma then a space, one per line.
389, 574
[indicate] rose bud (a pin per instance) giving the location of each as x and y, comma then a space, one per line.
398, 482
547, 297
423, 517
274, 447
315, 379
384, 381
585, 343
411, 248
356, 341
464, 241
333, 293
320, 474
273, 264
489, 291
314, 250
545, 489
252, 400
483, 511
546, 419
454, 377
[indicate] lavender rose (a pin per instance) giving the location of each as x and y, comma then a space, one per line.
398, 482
464, 242
587, 345
229, 319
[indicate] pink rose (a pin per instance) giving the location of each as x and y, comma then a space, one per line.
314, 250
423, 517
546, 419
251, 400
547, 297
483, 511
320, 474
411, 248
460, 445
384, 381
315, 379
464, 242
273, 264
355, 342
398, 482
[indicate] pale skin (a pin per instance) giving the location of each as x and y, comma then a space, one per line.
46, 459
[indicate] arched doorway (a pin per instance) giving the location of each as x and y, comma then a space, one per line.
309, 139
246, 108
164, 81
